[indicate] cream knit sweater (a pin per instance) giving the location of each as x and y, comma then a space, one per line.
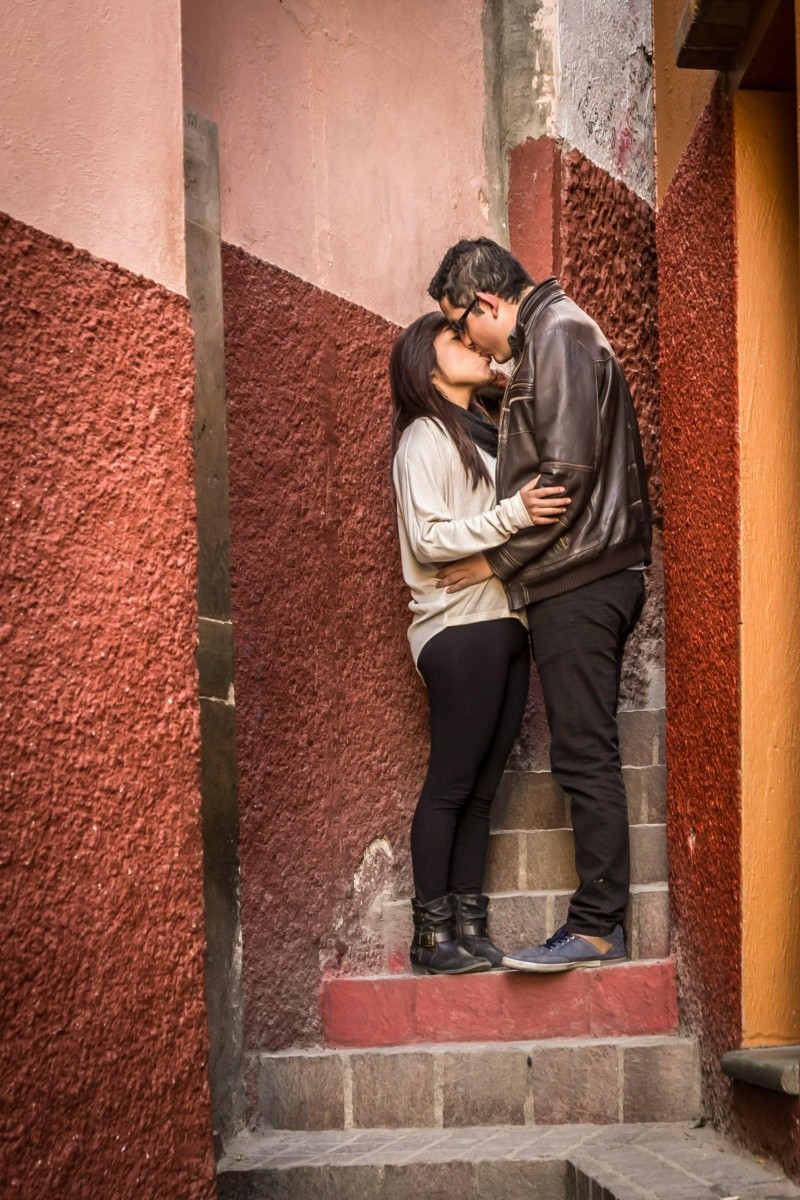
441, 518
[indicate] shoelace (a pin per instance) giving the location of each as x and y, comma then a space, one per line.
559, 939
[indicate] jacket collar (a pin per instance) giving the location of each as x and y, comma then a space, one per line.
543, 295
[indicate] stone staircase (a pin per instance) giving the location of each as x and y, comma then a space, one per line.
500, 1049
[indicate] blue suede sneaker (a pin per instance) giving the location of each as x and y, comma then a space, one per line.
565, 951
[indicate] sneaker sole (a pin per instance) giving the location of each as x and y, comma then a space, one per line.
464, 970
557, 968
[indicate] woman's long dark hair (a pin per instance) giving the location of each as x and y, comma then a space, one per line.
414, 394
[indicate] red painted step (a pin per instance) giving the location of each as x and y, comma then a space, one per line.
633, 999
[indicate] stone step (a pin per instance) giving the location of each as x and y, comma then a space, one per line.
552, 1082
624, 1000
566, 1162
642, 739
526, 918
544, 859
533, 799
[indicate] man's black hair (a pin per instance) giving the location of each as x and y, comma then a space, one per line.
474, 266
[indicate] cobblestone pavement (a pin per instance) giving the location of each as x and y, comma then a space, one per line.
586, 1162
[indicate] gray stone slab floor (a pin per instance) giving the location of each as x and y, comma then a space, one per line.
577, 1162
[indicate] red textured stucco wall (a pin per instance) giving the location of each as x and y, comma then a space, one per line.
103, 1011
609, 266
571, 218
768, 1122
697, 314
331, 718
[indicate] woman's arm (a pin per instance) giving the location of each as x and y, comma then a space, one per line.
435, 536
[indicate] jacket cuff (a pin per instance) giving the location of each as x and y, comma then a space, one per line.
501, 563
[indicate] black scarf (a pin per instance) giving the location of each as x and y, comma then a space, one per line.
482, 431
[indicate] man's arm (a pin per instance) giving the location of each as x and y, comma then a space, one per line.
433, 533
566, 426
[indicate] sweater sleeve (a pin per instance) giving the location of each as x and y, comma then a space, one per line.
434, 535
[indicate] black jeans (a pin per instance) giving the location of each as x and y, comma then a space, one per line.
578, 640
477, 678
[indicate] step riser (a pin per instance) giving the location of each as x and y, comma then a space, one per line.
642, 741
544, 859
541, 1180
533, 800
594, 1082
631, 1000
527, 919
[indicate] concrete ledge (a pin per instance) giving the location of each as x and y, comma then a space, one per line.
773, 1067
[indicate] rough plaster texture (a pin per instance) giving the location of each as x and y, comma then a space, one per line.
572, 218
105, 1047
520, 58
699, 422
608, 265
341, 158
605, 96
331, 717
579, 73
91, 148
768, 1123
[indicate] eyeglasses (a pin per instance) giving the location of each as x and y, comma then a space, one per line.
460, 325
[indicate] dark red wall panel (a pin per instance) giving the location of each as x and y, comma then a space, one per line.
534, 205
332, 729
609, 266
697, 264
572, 219
103, 1013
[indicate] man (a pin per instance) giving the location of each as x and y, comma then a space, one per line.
566, 414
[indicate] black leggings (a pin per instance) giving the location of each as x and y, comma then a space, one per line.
477, 679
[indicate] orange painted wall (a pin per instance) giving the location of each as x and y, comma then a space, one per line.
769, 416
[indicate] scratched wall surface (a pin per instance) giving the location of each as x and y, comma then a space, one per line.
104, 1058
579, 73
605, 101
699, 396
332, 720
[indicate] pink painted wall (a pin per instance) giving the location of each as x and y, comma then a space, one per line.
342, 159
91, 128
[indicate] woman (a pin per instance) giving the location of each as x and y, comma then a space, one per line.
469, 647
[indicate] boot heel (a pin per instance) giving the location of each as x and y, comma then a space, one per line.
415, 970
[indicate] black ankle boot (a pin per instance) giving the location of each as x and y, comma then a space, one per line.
434, 948
472, 911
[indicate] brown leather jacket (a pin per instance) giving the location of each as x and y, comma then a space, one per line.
567, 415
